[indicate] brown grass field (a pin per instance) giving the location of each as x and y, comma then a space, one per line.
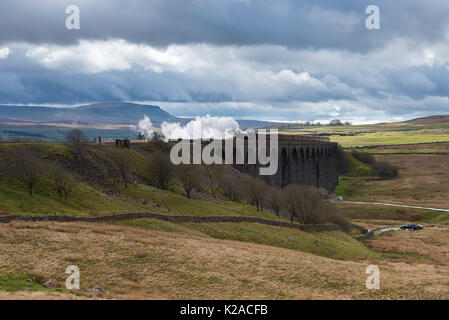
135, 263
424, 176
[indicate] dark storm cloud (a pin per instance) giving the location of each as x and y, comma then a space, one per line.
271, 59
318, 24
23, 81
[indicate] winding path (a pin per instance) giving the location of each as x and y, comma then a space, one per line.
397, 205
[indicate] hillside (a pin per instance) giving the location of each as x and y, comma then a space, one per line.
422, 121
99, 189
429, 120
101, 113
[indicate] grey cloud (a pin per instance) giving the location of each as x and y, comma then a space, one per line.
291, 23
354, 72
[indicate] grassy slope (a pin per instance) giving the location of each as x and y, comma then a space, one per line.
335, 245
357, 168
87, 200
24, 282
353, 184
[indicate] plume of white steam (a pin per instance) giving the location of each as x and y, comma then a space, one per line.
144, 127
201, 128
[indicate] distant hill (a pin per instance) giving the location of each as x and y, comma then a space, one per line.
429, 120
99, 113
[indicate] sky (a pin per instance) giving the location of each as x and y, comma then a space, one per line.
283, 60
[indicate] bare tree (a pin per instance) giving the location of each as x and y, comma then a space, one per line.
274, 199
301, 202
306, 204
63, 182
160, 169
232, 185
76, 136
256, 189
213, 175
77, 140
189, 176
122, 161
26, 167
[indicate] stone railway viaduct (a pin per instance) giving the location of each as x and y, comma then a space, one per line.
305, 160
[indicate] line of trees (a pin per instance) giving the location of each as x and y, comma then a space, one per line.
382, 169
24, 167
303, 204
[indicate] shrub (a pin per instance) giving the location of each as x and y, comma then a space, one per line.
76, 143
122, 161
231, 185
160, 169
156, 144
214, 178
26, 167
273, 199
384, 170
357, 168
255, 190
364, 157
300, 202
189, 176
342, 161
329, 213
63, 182
306, 204
76, 136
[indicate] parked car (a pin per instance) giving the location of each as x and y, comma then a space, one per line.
412, 226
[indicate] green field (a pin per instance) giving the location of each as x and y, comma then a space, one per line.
354, 136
